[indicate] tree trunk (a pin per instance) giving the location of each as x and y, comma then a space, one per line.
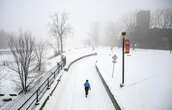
61, 42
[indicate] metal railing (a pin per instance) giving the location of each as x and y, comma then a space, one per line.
36, 96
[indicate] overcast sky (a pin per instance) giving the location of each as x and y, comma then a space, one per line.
34, 15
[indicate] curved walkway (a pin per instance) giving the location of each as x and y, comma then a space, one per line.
69, 95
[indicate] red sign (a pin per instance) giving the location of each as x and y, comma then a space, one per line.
127, 46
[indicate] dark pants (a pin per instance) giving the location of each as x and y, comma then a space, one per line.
86, 90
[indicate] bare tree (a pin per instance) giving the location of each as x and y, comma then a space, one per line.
39, 53
129, 21
157, 18
162, 18
59, 28
167, 18
55, 47
22, 49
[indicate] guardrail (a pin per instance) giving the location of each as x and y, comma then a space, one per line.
34, 99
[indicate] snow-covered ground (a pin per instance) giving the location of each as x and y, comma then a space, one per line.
73, 54
7, 76
9, 80
8, 84
148, 77
69, 95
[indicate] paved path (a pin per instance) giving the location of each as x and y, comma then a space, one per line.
69, 95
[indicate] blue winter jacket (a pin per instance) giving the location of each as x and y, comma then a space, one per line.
86, 84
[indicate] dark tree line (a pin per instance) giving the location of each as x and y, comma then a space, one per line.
4, 38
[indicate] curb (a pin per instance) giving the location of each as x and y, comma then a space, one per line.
114, 102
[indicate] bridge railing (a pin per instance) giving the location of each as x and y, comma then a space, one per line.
36, 96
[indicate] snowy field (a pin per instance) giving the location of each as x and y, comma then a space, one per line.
148, 77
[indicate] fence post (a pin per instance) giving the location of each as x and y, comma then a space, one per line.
58, 65
48, 84
37, 97
54, 75
58, 70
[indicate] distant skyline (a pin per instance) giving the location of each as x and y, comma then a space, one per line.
34, 15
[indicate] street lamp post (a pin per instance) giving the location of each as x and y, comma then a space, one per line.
123, 58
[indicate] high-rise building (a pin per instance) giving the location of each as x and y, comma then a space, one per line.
143, 20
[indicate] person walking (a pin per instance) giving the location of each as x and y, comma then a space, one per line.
87, 87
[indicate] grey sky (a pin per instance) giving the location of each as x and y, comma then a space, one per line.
34, 15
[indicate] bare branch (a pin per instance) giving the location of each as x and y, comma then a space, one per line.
161, 19
22, 49
59, 29
39, 53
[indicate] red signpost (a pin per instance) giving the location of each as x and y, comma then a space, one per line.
127, 46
